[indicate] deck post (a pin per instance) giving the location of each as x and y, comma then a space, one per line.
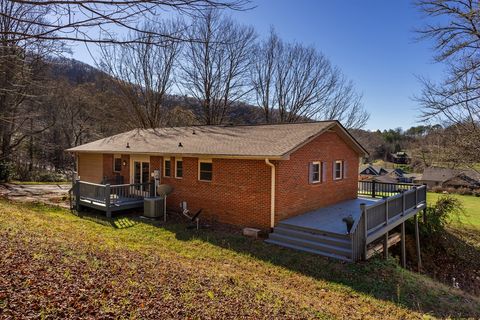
416, 195
107, 200
386, 211
403, 255
385, 246
417, 240
76, 190
373, 188
365, 229
425, 210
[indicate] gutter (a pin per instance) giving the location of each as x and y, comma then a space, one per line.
272, 193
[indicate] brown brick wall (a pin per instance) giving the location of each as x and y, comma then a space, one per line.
294, 193
125, 172
238, 194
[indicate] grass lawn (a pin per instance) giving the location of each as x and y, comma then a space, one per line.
56, 264
471, 205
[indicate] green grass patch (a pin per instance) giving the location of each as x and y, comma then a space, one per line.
132, 268
471, 205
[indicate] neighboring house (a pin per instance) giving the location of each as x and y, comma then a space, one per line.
400, 157
248, 175
450, 178
371, 170
380, 174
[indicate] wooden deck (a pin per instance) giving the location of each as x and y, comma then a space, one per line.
109, 198
324, 232
329, 219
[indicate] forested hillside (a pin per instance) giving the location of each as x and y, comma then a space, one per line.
81, 104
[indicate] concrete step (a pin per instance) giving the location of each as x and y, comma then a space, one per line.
306, 249
312, 230
314, 245
335, 241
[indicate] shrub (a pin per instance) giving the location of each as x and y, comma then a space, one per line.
6, 170
437, 189
464, 191
50, 176
446, 209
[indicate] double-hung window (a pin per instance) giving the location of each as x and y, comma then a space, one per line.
338, 170
167, 167
117, 163
205, 170
178, 168
315, 172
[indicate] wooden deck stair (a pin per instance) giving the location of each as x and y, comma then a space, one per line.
319, 242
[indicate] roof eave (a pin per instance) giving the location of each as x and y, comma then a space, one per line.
192, 155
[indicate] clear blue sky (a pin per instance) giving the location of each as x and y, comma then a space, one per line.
372, 41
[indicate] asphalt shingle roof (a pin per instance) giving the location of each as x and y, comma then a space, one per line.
275, 140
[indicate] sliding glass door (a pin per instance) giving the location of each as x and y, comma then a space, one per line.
141, 174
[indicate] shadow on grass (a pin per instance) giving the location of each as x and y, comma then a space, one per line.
119, 221
381, 279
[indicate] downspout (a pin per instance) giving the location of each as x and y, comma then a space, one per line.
272, 194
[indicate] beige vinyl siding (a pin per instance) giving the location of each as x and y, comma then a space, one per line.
90, 167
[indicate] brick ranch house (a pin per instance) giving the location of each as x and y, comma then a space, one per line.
246, 175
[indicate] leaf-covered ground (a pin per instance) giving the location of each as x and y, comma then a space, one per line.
54, 264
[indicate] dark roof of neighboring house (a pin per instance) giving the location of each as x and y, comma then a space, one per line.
444, 174
275, 141
375, 169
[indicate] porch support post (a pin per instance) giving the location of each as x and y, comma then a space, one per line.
417, 240
385, 246
107, 200
365, 229
425, 210
403, 255
76, 190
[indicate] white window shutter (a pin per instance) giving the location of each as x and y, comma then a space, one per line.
324, 171
344, 169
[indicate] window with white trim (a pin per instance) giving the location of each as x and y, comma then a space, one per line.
315, 172
178, 168
167, 167
117, 163
338, 170
205, 170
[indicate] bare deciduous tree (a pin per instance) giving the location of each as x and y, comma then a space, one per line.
143, 74
215, 68
295, 83
455, 101
98, 21
21, 76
